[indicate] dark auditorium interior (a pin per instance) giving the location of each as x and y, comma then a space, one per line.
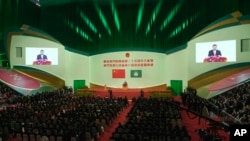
93, 88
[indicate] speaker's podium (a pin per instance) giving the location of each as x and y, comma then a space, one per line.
125, 86
215, 59
41, 62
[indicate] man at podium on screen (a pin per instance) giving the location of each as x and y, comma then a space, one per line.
214, 55
42, 59
41, 56
214, 51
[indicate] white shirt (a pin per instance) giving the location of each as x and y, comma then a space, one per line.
214, 52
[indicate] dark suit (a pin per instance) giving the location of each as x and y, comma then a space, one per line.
217, 53
142, 93
39, 57
110, 93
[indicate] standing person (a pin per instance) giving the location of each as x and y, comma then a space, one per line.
214, 51
110, 93
42, 56
141, 93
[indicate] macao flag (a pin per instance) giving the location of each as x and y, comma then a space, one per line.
136, 73
118, 73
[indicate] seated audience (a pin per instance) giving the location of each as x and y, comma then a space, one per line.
56, 115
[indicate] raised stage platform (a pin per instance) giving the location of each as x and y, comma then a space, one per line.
129, 92
119, 92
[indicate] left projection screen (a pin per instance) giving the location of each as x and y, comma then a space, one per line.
41, 56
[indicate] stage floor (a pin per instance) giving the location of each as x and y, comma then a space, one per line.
130, 93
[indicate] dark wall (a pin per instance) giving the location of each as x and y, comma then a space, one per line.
63, 21
13, 14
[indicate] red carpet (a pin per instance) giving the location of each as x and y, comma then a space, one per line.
193, 123
121, 118
199, 123
190, 123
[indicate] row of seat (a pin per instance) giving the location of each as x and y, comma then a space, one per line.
152, 120
58, 115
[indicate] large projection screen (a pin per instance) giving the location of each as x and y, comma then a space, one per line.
32, 54
227, 49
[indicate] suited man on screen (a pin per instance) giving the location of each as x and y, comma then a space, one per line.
214, 51
42, 56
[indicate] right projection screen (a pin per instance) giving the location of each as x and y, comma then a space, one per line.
215, 51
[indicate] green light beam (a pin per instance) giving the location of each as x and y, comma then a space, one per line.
116, 18
184, 25
78, 30
88, 22
154, 15
140, 14
103, 19
171, 15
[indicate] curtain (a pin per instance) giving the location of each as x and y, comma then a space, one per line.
176, 86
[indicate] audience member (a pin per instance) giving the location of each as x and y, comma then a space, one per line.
58, 114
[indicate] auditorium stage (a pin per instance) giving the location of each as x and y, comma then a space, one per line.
119, 92
128, 92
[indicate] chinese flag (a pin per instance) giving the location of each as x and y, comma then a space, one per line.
118, 73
